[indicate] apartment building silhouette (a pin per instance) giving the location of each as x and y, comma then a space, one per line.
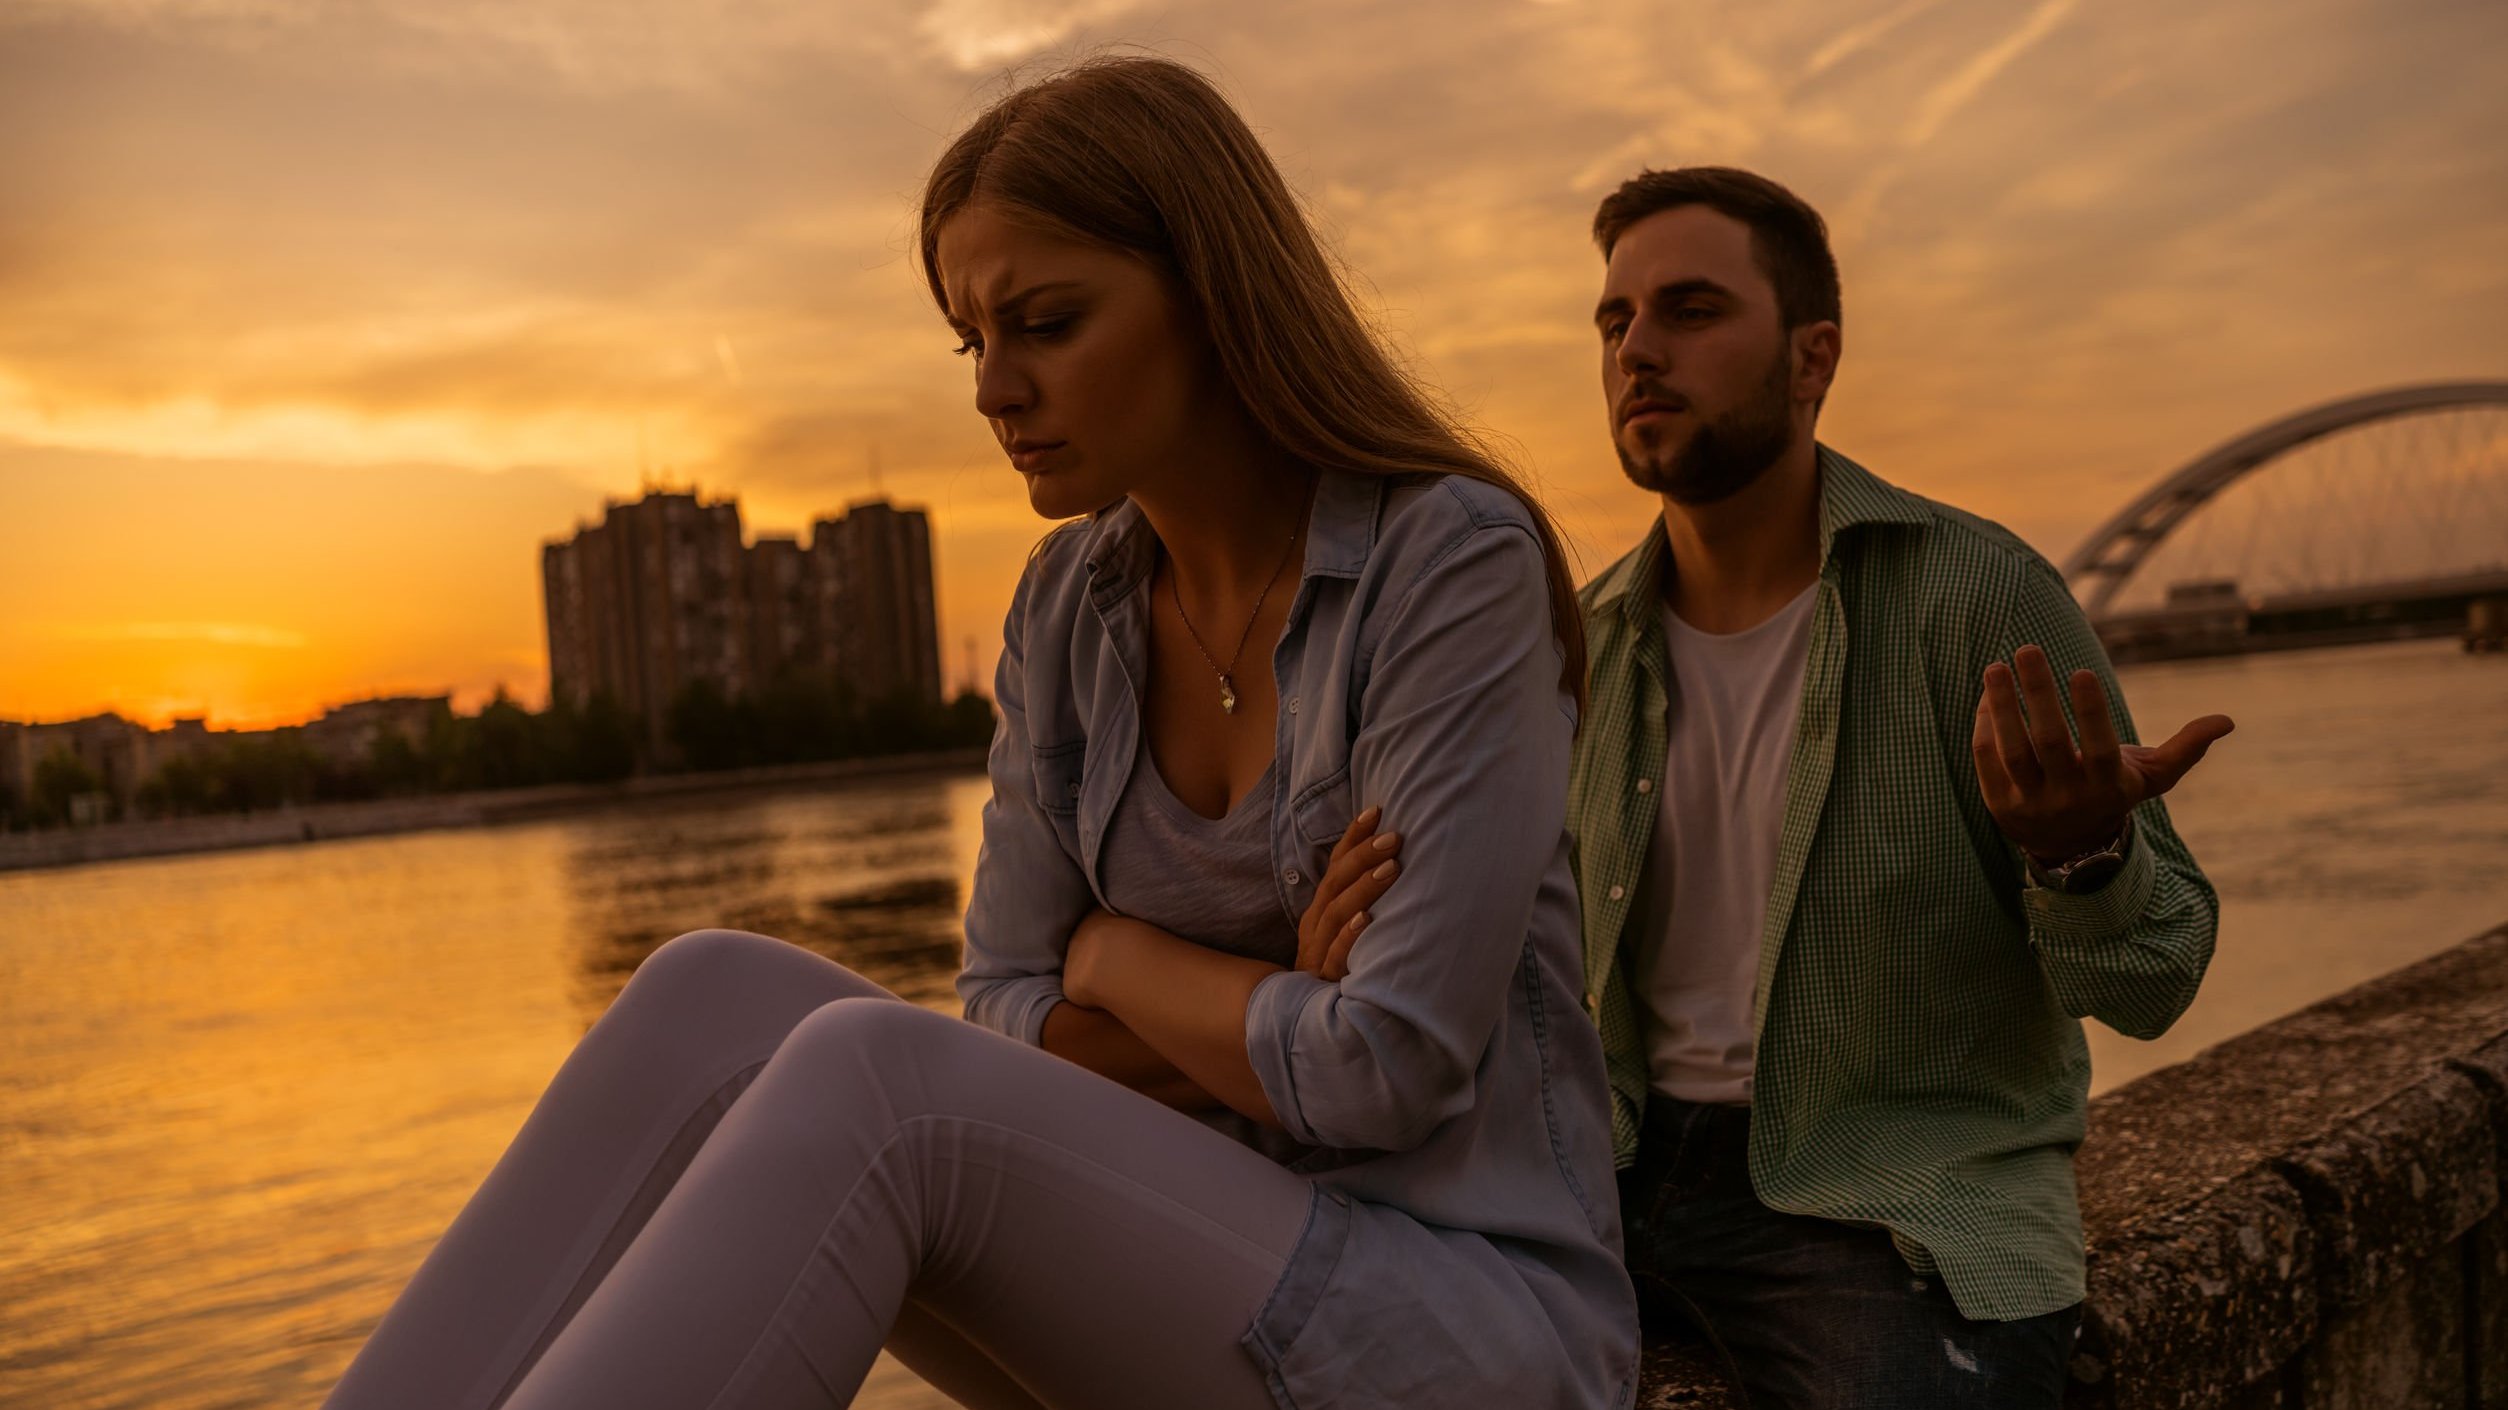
664, 593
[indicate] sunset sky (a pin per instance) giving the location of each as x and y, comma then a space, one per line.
317, 318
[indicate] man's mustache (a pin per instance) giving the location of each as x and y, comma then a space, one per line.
1646, 396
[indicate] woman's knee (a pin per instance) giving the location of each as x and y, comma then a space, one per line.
865, 1025
882, 1041
707, 956
705, 967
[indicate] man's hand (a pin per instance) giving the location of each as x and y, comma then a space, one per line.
2056, 801
1361, 871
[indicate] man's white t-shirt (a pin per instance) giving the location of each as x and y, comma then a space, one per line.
1730, 712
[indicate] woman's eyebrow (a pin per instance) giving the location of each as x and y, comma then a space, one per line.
1017, 303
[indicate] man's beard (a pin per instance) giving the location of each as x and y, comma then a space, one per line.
1722, 457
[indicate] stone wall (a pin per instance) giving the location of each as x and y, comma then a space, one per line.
2305, 1217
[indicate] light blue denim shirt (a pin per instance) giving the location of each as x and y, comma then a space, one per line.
1465, 1226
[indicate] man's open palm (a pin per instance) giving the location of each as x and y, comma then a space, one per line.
2056, 798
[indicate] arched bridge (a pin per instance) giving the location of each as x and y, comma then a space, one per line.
2394, 524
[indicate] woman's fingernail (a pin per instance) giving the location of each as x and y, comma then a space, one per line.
1358, 922
1369, 817
1386, 870
1385, 843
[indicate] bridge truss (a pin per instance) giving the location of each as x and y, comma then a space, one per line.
2398, 487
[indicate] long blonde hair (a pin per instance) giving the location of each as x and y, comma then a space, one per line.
1143, 155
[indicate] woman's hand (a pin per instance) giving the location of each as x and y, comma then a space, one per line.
1361, 871
1160, 1014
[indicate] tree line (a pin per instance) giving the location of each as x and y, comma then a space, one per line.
798, 719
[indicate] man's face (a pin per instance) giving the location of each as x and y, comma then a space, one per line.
1698, 372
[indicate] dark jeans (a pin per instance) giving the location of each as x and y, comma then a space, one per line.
1810, 1314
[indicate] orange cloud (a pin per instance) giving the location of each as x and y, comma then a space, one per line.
317, 320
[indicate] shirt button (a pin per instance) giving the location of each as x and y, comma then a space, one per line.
1645, 785
1290, 876
1618, 892
1074, 790
1293, 704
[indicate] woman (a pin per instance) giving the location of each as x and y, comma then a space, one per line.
1399, 1191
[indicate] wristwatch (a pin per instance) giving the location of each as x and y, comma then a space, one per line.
2085, 873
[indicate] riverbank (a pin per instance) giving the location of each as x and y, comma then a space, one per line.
68, 847
248, 1089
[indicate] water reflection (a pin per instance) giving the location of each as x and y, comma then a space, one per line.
877, 884
241, 1094
2353, 824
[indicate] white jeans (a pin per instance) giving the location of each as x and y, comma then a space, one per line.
758, 1167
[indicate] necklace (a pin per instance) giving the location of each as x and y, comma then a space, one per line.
1228, 674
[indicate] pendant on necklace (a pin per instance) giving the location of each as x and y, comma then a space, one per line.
1227, 695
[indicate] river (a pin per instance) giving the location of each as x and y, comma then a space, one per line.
240, 1093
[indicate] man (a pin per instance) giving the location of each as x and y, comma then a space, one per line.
1850, 880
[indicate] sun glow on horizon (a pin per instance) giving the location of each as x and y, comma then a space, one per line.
316, 324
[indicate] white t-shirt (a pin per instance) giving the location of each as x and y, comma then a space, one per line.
1729, 716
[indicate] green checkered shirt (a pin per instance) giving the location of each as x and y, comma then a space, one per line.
1919, 1062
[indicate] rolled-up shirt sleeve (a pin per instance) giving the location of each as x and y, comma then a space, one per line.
1464, 737
1029, 892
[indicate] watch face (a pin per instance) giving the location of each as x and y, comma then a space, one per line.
2091, 873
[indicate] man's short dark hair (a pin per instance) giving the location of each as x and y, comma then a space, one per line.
1789, 238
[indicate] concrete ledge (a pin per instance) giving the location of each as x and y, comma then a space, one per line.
2339, 1158
2487, 1068
2200, 1301
2307, 1216
2401, 1346
2486, 1248
2397, 1183
1679, 1374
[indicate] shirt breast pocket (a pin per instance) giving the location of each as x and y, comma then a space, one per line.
1322, 811
1057, 773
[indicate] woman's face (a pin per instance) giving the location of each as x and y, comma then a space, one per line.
1092, 376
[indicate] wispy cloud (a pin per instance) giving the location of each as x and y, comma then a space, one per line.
604, 239
983, 34
1856, 38
1945, 99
